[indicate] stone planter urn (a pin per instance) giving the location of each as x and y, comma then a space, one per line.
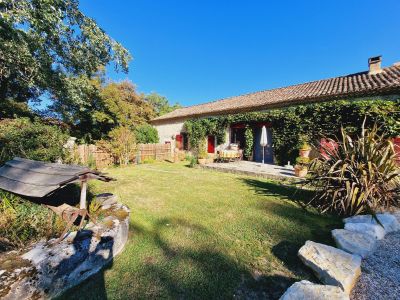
304, 152
300, 171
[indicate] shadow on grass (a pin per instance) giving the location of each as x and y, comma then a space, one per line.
320, 223
174, 270
304, 219
292, 193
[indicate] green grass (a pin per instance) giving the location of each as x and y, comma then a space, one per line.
201, 234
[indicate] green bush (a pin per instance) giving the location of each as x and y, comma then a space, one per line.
148, 160
146, 134
358, 176
34, 140
192, 161
22, 221
302, 161
121, 144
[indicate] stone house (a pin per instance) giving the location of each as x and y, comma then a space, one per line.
376, 82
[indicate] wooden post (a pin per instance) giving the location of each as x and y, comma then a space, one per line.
82, 204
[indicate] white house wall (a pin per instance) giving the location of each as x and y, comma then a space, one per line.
167, 131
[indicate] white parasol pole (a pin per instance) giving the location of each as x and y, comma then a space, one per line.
263, 140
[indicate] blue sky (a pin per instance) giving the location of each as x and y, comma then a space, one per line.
198, 51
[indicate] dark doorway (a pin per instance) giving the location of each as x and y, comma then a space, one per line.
237, 137
185, 139
258, 150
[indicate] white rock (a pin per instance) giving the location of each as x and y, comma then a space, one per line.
388, 221
56, 267
396, 214
332, 266
38, 254
376, 231
106, 198
354, 242
305, 290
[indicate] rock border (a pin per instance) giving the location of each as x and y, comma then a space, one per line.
341, 267
48, 269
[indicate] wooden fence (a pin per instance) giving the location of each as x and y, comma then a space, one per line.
91, 154
154, 151
95, 157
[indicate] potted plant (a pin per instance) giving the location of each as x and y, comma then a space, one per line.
305, 150
301, 167
202, 157
304, 146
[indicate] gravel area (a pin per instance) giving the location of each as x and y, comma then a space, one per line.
380, 278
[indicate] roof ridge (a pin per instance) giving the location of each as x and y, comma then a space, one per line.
362, 81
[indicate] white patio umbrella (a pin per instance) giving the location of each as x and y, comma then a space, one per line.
263, 140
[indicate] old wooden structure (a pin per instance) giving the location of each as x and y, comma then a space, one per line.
37, 179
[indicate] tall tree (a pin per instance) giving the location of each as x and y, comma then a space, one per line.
51, 48
125, 107
160, 104
108, 105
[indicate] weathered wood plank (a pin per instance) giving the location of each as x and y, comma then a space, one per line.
32, 177
46, 168
38, 179
25, 189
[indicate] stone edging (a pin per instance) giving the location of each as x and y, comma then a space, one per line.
48, 269
339, 268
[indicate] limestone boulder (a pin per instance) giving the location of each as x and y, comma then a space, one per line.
373, 230
389, 222
305, 290
106, 199
331, 265
354, 242
396, 214
50, 268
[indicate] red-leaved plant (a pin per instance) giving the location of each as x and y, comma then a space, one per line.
357, 175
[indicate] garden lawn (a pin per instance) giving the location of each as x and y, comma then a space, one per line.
196, 233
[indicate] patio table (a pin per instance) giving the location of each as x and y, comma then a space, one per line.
229, 154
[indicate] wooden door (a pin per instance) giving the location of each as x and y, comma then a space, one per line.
211, 144
179, 141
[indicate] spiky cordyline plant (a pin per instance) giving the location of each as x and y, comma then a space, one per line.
358, 175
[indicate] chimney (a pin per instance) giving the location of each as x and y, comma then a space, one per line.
374, 64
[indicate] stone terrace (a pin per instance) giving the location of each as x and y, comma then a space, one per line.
254, 169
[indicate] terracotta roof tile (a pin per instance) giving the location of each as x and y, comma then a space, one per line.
354, 85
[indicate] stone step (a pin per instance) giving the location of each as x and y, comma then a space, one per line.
305, 290
373, 230
354, 242
331, 265
388, 221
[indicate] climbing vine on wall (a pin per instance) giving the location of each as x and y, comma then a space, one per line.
248, 135
198, 129
313, 120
